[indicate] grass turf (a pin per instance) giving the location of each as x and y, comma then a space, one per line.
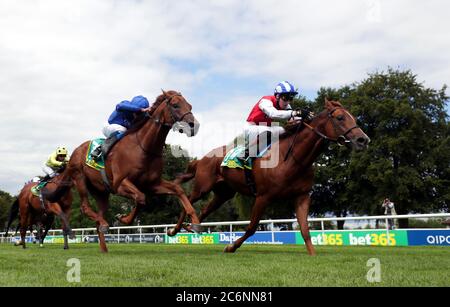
206, 265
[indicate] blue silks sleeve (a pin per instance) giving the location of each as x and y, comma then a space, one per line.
127, 106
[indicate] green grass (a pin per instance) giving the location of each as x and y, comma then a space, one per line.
206, 265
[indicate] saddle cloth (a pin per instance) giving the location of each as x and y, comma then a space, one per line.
98, 165
231, 159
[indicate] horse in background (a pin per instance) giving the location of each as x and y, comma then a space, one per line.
29, 208
290, 178
133, 166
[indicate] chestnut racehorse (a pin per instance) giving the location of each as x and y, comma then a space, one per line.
31, 212
134, 165
292, 178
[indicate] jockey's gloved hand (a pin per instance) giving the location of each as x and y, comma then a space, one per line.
296, 113
305, 114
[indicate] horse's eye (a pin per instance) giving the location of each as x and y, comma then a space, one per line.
176, 106
340, 117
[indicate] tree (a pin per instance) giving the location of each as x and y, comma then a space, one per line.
407, 159
6, 201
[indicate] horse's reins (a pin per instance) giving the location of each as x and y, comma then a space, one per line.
323, 136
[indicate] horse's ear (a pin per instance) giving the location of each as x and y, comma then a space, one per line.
164, 92
327, 103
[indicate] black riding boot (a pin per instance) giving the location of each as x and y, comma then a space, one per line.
108, 144
96, 153
103, 149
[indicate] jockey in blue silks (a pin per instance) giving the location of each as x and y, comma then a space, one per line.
119, 122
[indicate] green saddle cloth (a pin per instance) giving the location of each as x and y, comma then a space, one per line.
232, 160
100, 164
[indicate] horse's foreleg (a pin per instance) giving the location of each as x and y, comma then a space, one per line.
102, 199
301, 210
66, 212
48, 225
257, 211
129, 190
170, 188
194, 197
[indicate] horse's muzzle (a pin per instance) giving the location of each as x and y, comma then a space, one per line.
360, 142
188, 128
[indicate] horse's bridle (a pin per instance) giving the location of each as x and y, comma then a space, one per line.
342, 138
164, 124
172, 113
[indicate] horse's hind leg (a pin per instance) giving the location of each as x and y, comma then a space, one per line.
222, 193
102, 225
129, 190
102, 199
257, 211
24, 222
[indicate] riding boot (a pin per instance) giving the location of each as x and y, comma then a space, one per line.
109, 143
46, 178
96, 153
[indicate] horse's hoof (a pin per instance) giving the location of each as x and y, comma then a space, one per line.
229, 249
103, 229
66, 247
171, 232
188, 228
197, 228
41, 245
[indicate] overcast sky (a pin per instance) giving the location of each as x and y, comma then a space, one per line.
66, 64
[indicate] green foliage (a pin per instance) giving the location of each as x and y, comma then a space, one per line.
6, 201
407, 159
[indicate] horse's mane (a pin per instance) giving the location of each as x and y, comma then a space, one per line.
291, 128
141, 119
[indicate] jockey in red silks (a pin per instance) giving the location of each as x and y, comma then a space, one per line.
269, 108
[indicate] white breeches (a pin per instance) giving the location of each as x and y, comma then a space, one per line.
252, 132
110, 129
49, 171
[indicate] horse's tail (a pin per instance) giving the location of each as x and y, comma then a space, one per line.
62, 187
190, 173
13, 213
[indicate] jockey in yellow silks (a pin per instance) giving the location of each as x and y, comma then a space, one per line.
56, 161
